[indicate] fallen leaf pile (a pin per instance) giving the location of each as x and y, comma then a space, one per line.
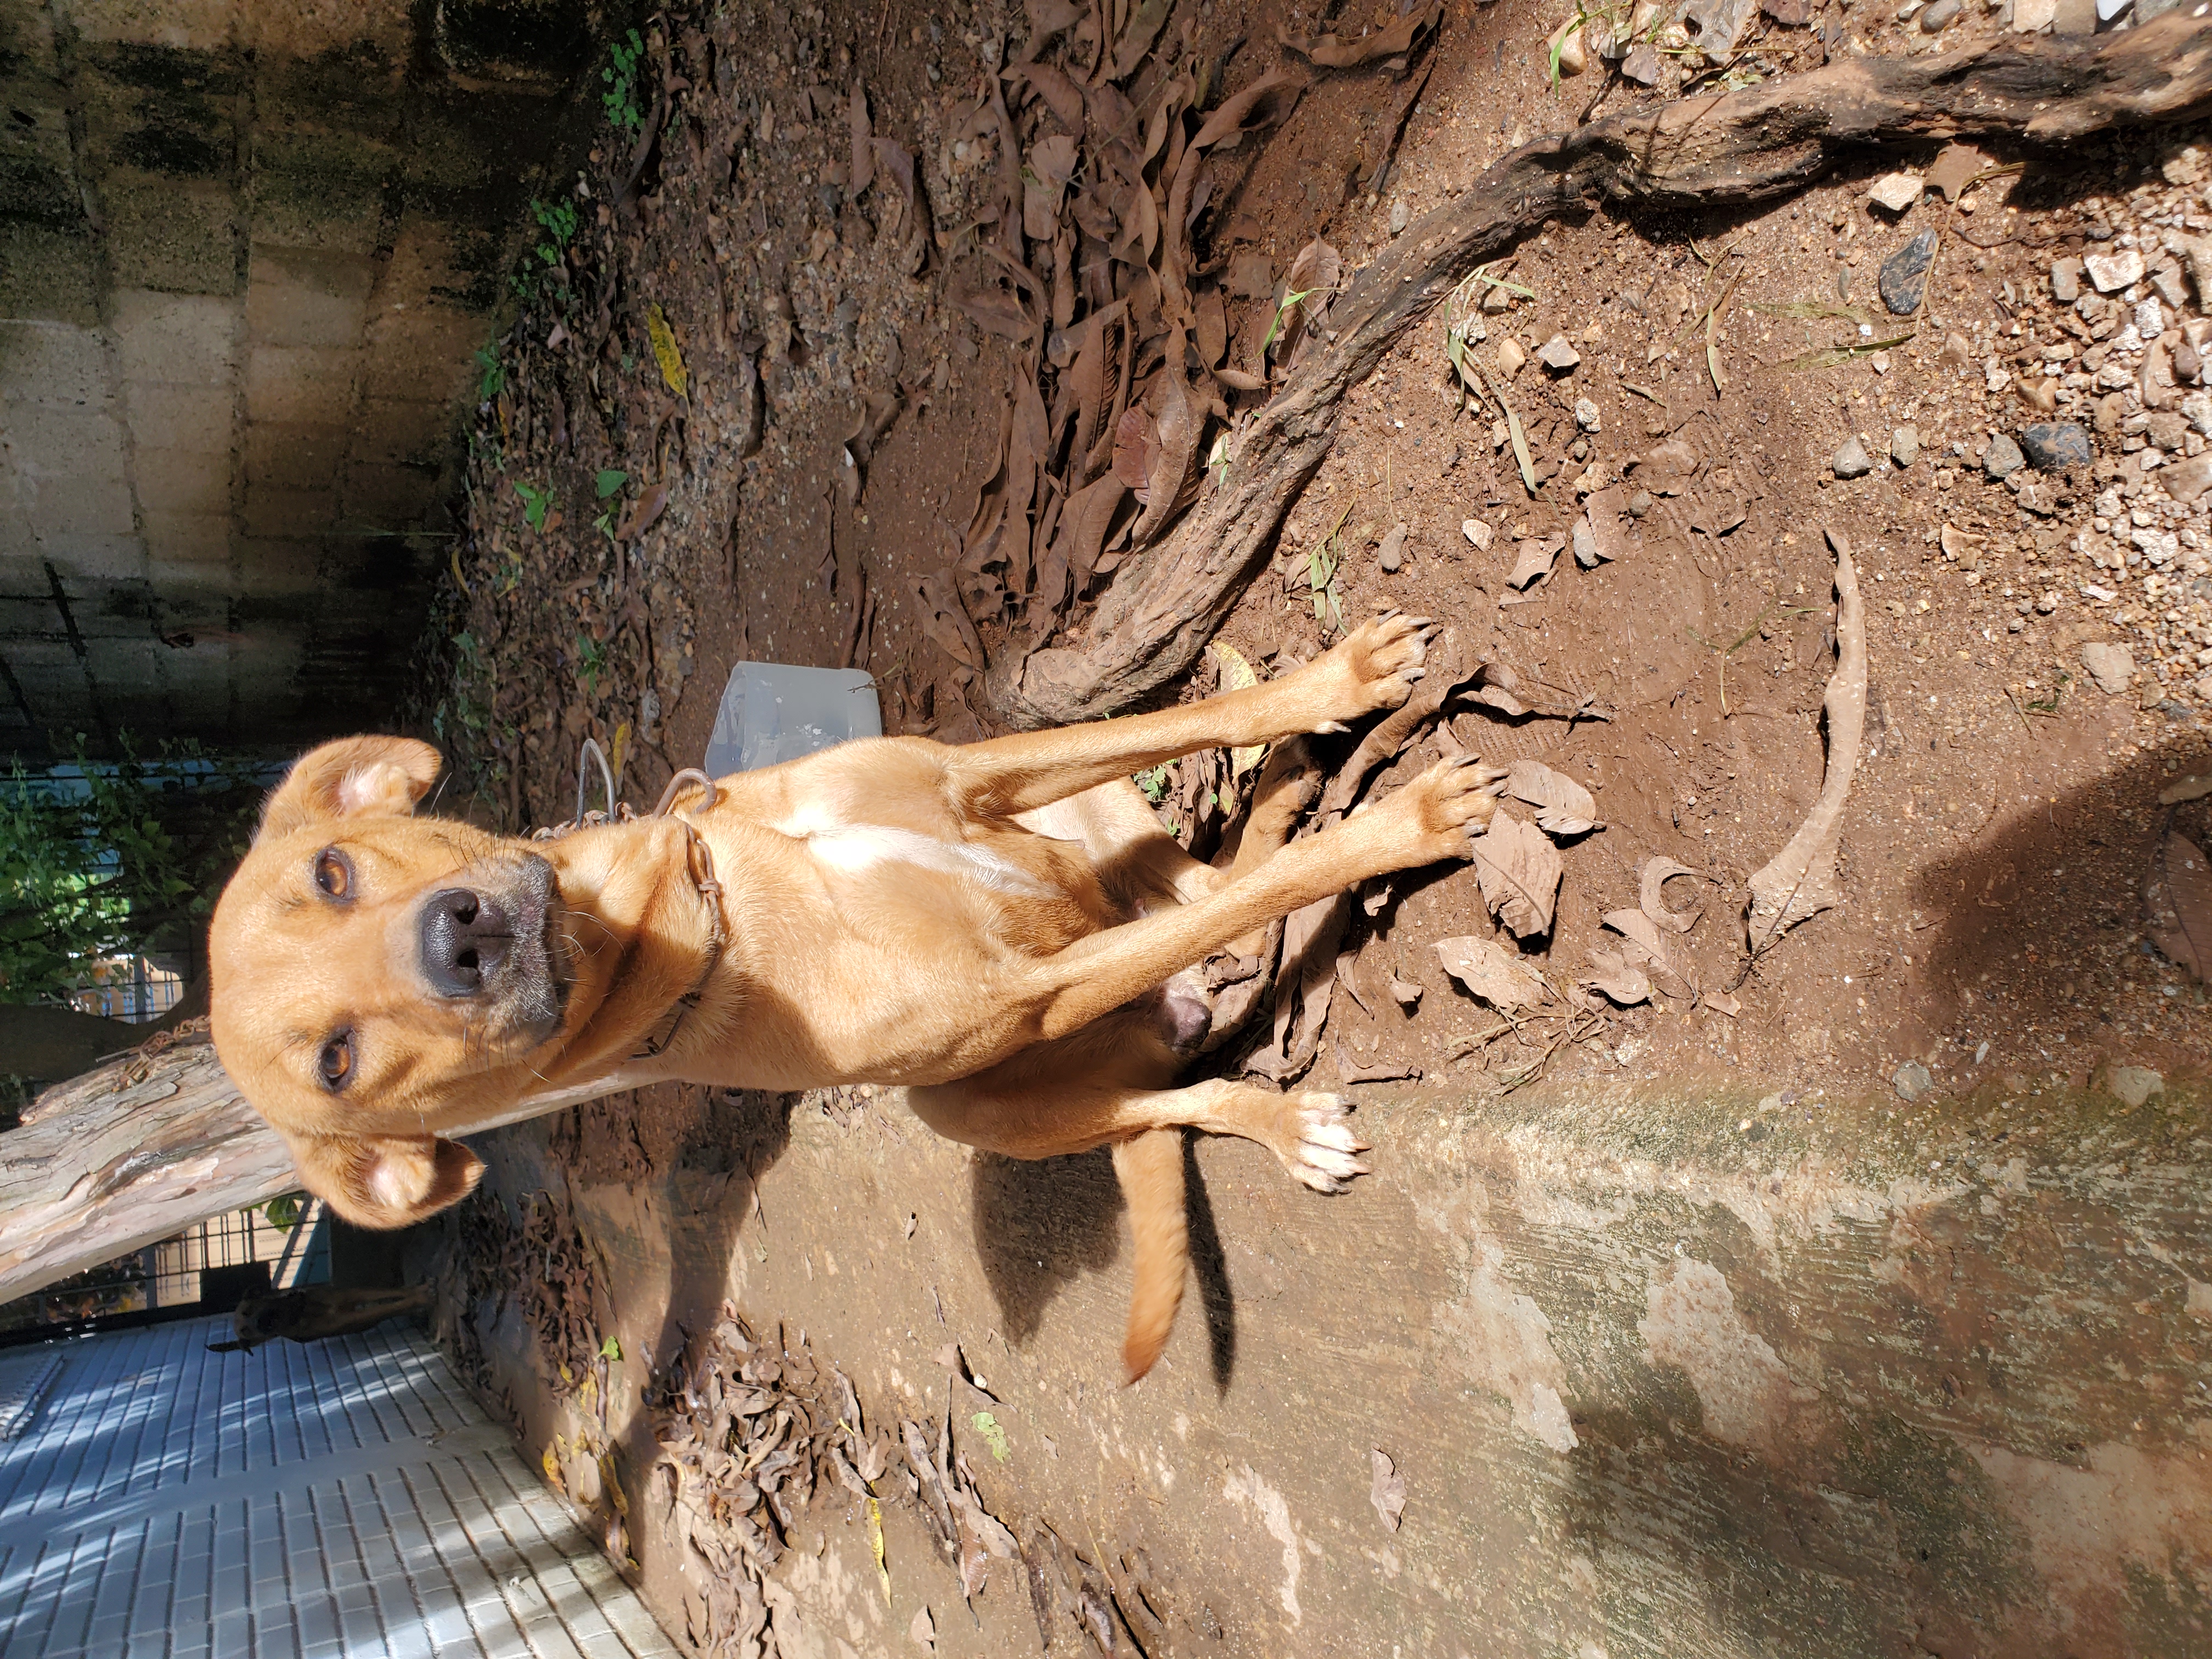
1141, 319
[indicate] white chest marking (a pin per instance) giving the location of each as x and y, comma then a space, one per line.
850, 848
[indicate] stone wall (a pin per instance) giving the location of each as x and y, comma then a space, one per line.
247, 251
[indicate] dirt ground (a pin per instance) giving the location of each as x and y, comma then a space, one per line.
805, 445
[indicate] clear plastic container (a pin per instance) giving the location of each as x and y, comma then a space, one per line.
772, 712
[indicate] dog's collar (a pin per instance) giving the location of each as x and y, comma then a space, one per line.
699, 863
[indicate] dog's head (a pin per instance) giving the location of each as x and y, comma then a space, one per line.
375, 975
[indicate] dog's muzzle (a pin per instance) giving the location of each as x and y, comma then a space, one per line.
493, 943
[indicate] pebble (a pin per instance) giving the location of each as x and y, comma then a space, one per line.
1393, 553
1586, 414
1586, 551
2187, 480
2066, 281
1896, 191
2054, 445
1905, 445
1476, 532
1510, 355
2111, 272
1957, 352
1398, 215
2134, 1084
1556, 354
1938, 18
1905, 274
1642, 65
1913, 1080
1639, 504
2003, 457
1852, 461
2112, 666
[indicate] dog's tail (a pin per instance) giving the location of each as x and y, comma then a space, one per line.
1150, 1169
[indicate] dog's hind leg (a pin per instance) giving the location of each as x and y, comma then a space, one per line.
1374, 667
1044, 1102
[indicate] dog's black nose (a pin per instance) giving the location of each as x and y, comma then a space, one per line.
464, 936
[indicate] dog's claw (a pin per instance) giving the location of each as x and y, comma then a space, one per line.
1321, 1149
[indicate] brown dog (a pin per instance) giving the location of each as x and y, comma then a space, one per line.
990, 926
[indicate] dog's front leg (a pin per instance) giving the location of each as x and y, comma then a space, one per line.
1429, 819
1373, 668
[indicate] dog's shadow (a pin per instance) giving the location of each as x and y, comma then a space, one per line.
1041, 1225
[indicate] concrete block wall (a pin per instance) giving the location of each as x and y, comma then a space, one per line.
247, 251
343, 1499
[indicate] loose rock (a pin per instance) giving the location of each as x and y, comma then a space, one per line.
1393, 552
2134, 1084
2112, 666
1905, 446
1476, 532
2187, 480
1510, 355
1398, 215
1586, 414
1639, 504
1905, 274
2066, 281
1556, 354
1852, 461
1896, 191
2003, 457
1913, 1080
2055, 446
1938, 18
1642, 65
2111, 272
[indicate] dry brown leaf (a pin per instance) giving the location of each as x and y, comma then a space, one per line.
1536, 561
1175, 462
1061, 95
1334, 51
945, 621
1387, 1492
1645, 950
1617, 979
2178, 902
1954, 168
1564, 806
1406, 993
643, 512
1519, 870
864, 153
2195, 786
1651, 893
1044, 182
1720, 1003
1492, 972
1136, 445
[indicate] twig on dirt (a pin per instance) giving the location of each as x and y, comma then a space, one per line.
1800, 880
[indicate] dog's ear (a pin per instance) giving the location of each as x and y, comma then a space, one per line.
354, 777
385, 1181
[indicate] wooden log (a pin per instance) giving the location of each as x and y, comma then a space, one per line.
1699, 153
122, 1156
143, 1148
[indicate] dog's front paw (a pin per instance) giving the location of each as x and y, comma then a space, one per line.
1316, 1144
1375, 667
1437, 815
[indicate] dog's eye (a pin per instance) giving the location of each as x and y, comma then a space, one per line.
333, 874
335, 1062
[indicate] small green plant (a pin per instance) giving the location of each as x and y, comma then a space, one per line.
535, 504
1154, 781
544, 268
620, 99
994, 1436
1323, 562
609, 481
2050, 705
591, 662
1290, 300
491, 378
282, 1211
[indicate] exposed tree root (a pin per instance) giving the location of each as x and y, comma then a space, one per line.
1737, 146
